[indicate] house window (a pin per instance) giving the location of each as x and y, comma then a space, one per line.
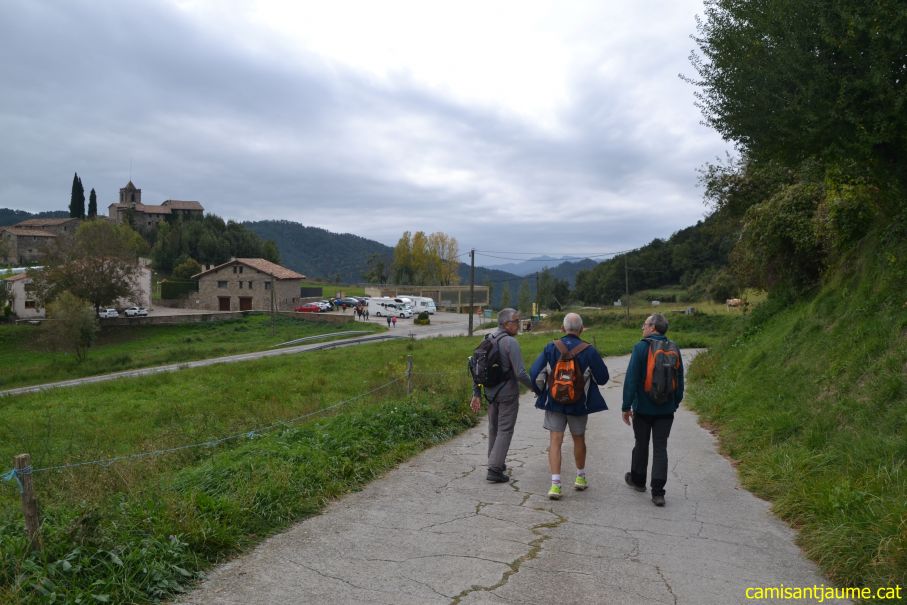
267, 285
250, 285
240, 285
31, 304
240, 268
221, 284
234, 268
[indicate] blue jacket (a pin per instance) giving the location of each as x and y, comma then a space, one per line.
597, 374
634, 384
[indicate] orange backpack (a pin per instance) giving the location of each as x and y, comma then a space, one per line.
567, 383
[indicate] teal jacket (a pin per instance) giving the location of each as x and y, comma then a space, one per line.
634, 392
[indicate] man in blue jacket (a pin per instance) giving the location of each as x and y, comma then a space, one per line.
649, 419
558, 416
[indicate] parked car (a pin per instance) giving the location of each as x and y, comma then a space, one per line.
136, 312
348, 301
308, 308
325, 305
108, 313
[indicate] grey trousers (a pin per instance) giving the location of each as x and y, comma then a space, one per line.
501, 421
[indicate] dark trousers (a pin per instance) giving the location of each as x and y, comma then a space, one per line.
659, 428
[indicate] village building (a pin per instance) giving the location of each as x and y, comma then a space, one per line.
131, 210
24, 304
27, 242
248, 284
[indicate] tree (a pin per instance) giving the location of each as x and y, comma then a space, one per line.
796, 79
77, 198
553, 292
186, 269
6, 298
72, 325
421, 259
99, 265
92, 204
377, 269
505, 295
524, 298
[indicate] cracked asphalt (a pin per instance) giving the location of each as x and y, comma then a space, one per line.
434, 531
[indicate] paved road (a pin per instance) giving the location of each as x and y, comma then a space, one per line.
434, 531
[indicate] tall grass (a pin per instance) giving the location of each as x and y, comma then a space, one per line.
811, 398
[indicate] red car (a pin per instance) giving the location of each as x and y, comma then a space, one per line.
308, 308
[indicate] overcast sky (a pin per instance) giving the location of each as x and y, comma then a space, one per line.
521, 127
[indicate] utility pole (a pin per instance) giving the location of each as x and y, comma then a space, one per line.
627, 288
472, 285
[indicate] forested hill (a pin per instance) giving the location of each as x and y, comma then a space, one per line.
8, 216
317, 253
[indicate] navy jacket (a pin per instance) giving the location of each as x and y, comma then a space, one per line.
634, 384
594, 370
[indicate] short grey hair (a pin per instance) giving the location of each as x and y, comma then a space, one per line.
506, 315
573, 323
659, 322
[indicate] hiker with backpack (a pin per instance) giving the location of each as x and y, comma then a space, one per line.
568, 373
653, 390
497, 369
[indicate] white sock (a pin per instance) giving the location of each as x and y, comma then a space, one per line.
580, 472
556, 479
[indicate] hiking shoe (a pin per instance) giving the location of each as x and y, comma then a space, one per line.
555, 492
497, 476
580, 483
629, 479
658, 500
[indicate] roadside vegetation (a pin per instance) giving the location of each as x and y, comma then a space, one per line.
273, 441
810, 397
26, 359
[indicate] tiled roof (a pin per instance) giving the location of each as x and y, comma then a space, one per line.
183, 205
24, 232
44, 222
152, 209
265, 266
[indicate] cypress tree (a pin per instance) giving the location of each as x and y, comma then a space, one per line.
77, 198
92, 204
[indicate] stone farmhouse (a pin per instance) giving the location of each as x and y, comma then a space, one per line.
28, 241
146, 216
248, 284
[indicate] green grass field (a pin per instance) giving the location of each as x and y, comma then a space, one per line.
256, 447
26, 360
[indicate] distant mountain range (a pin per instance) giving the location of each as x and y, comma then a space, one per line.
538, 263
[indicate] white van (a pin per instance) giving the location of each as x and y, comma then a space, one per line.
422, 303
385, 306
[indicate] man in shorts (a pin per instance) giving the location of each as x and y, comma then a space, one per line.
559, 416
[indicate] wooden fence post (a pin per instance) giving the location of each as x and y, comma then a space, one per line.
409, 374
29, 503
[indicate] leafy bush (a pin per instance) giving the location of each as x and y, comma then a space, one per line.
423, 319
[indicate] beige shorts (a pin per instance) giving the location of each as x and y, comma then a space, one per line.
558, 422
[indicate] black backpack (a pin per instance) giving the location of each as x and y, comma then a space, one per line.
662, 369
485, 363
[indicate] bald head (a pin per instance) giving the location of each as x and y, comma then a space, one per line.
573, 324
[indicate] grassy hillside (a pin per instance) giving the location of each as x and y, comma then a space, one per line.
811, 398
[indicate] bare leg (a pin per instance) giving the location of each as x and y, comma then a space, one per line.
554, 452
579, 450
